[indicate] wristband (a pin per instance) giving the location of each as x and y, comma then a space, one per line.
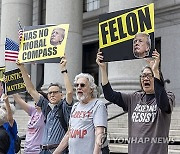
64, 71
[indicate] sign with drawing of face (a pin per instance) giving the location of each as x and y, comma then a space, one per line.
127, 34
43, 43
141, 45
57, 36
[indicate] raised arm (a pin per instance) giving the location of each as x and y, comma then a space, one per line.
164, 101
109, 93
102, 66
29, 86
155, 64
8, 109
67, 82
21, 102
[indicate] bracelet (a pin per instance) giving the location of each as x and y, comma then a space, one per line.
64, 71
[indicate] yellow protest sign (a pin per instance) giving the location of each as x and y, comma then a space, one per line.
14, 82
2, 70
123, 27
43, 43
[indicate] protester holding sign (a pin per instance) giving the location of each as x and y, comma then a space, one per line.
57, 36
149, 111
35, 126
141, 45
56, 110
10, 125
88, 120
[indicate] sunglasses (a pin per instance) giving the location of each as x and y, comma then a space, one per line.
82, 85
53, 92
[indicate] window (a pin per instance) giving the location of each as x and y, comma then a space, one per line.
158, 45
89, 60
90, 5
42, 11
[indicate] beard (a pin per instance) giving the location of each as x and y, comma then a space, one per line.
82, 97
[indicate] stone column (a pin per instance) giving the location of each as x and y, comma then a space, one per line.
11, 10
124, 75
64, 12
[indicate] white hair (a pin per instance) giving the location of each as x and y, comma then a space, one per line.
3, 106
90, 78
3, 115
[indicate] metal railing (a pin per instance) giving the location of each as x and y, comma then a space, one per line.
117, 115
125, 141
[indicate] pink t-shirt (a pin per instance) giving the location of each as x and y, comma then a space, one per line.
34, 132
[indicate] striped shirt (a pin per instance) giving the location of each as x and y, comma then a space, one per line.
53, 132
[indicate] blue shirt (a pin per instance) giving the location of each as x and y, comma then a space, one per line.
53, 132
12, 131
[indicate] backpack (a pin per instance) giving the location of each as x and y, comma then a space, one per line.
17, 144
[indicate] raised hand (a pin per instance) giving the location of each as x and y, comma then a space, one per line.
154, 63
19, 64
63, 63
99, 59
156, 57
5, 97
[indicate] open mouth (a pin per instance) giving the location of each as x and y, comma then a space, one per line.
146, 84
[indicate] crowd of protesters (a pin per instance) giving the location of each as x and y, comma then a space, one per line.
59, 124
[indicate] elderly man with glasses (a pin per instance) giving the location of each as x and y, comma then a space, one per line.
55, 109
88, 120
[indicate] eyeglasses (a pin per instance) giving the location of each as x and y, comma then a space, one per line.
53, 92
148, 75
82, 85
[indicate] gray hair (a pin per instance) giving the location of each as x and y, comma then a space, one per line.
3, 115
12, 107
90, 78
62, 33
56, 85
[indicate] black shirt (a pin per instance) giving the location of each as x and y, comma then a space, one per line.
4, 141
